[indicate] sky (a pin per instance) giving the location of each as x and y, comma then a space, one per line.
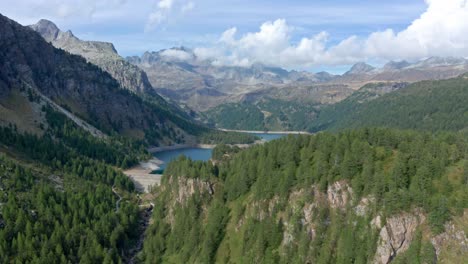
294, 34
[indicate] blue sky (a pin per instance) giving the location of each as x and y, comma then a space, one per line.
140, 25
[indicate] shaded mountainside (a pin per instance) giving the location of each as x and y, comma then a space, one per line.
426, 105
366, 196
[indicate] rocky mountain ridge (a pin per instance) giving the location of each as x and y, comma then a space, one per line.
102, 54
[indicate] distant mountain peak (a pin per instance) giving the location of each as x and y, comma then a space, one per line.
360, 68
48, 29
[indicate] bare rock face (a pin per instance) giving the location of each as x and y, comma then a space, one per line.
396, 236
187, 187
363, 207
183, 189
339, 195
451, 237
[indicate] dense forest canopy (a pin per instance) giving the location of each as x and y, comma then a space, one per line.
397, 170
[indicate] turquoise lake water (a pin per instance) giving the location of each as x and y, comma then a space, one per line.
198, 153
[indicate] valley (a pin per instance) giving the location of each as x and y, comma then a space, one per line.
285, 145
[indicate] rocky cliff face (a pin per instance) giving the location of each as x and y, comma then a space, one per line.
396, 236
301, 211
454, 238
102, 54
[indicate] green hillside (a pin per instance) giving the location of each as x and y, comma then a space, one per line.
267, 114
426, 105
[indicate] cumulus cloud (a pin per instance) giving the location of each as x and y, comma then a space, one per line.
177, 54
164, 9
442, 30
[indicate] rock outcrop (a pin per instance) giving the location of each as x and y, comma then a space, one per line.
339, 195
451, 237
396, 236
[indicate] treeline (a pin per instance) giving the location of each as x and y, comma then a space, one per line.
397, 170
222, 137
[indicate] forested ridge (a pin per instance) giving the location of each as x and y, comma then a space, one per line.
268, 114
427, 106
252, 207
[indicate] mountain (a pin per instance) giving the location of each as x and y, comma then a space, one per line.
434, 68
364, 196
360, 68
426, 105
102, 54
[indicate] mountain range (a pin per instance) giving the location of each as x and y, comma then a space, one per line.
179, 74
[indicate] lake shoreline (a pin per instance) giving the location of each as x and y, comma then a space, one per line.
201, 146
267, 132
180, 146
143, 178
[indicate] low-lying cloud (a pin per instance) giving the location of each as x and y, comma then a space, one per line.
442, 30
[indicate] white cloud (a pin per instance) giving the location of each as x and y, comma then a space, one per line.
165, 9
165, 4
177, 54
442, 30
